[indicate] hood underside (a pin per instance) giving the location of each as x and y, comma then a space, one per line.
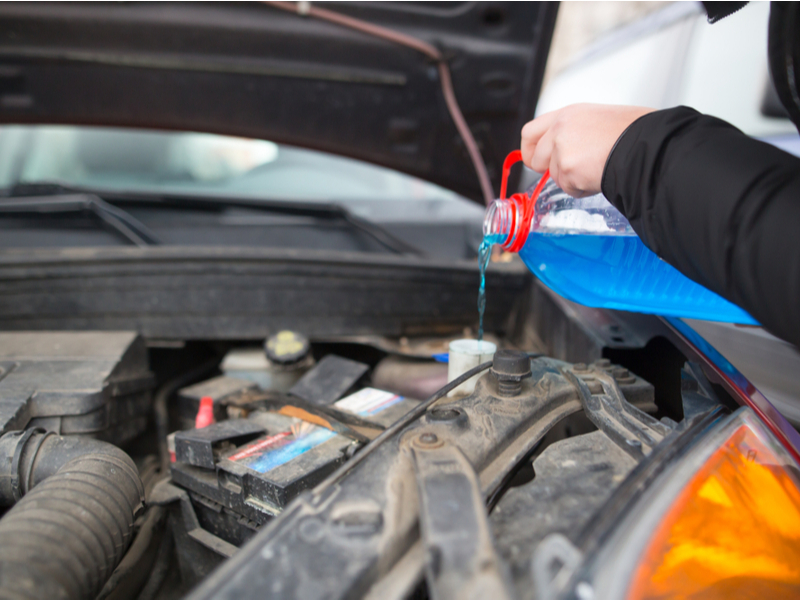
251, 70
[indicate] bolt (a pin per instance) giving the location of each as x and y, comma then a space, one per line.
634, 443
428, 438
623, 376
595, 387
580, 367
509, 369
603, 363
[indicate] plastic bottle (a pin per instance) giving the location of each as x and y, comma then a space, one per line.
585, 250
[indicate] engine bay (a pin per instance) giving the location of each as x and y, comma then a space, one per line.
227, 439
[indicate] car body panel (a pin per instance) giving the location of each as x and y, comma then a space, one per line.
252, 70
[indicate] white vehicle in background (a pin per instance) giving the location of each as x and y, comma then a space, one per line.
674, 57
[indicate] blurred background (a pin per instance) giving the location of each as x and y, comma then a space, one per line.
663, 54
580, 24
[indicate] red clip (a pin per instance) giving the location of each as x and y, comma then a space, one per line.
524, 205
205, 414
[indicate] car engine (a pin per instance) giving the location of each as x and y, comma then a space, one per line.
134, 469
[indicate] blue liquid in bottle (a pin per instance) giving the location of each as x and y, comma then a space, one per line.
620, 272
585, 250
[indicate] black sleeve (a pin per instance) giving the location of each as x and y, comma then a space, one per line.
721, 207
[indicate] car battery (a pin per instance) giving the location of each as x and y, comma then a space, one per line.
242, 472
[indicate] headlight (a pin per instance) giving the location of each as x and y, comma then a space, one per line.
734, 529
722, 522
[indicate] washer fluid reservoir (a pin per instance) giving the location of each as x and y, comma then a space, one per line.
585, 250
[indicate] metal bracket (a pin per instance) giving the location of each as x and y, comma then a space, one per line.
631, 429
460, 558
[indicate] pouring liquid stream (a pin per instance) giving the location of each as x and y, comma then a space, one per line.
484, 252
484, 255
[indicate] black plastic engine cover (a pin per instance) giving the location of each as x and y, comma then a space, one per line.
78, 382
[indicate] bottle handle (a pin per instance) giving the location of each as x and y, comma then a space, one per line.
512, 159
524, 205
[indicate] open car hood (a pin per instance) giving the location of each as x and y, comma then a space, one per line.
252, 70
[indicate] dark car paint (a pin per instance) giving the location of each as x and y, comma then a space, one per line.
248, 69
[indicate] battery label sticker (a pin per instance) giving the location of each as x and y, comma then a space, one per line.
279, 439
276, 450
367, 402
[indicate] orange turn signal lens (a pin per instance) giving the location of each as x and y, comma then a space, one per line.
733, 531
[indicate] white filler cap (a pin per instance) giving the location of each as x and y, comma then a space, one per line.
465, 355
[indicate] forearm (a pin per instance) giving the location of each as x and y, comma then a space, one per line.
721, 207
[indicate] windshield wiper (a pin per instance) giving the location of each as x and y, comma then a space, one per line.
376, 232
323, 211
45, 197
120, 221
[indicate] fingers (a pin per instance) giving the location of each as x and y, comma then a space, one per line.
555, 171
542, 155
532, 133
574, 142
561, 177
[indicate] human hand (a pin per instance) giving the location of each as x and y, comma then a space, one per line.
574, 143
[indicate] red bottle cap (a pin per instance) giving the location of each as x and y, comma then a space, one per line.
524, 205
205, 414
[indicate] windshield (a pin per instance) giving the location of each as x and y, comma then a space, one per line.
137, 160
118, 164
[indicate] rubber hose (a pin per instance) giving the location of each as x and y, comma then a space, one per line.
64, 538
